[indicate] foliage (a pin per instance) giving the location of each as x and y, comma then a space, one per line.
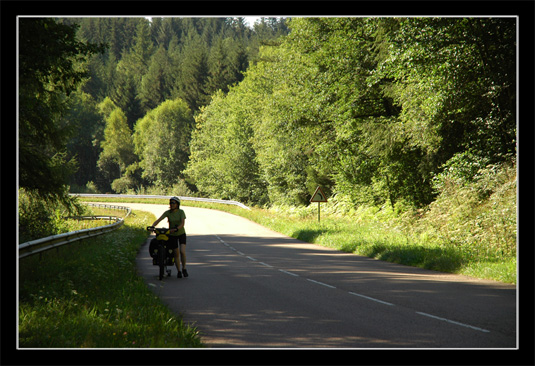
117, 147
84, 146
38, 218
156, 84
162, 142
455, 82
222, 161
50, 69
476, 211
370, 108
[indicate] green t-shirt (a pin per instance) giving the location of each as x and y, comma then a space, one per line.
175, 219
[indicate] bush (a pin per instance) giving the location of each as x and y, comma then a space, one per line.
476, 211
35, 218
39, 218
123, 184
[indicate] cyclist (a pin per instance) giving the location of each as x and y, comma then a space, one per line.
177, 220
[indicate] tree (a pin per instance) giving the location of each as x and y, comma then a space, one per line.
218, 68
327, 106
125, 88
284, 148
370, 107
194, 72
223, 160
156, 83
50, 69
117, 147
227, 61
161, 141
249, 144
134, 64
401, 96
143, 46
455, 82
85, 145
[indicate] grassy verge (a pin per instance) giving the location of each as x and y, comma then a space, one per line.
371, 235
385, 241
88, 294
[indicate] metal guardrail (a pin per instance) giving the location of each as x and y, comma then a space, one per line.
226, 202
54, 241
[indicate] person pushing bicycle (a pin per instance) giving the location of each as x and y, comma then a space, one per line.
177, 236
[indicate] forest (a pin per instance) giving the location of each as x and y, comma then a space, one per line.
378, 111
150, 81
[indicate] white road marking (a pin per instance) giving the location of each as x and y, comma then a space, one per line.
289, 273
320, 283
453, 322
352, 293
371, 298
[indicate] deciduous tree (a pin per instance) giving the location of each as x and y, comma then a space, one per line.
162, 142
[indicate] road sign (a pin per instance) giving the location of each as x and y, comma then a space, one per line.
318, 196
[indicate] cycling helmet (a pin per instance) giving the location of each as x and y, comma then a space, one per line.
176, 199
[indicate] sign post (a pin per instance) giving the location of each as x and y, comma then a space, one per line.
318, 197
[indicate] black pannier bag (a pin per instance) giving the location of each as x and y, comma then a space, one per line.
153, 247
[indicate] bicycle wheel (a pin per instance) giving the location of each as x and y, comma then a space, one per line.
161, 260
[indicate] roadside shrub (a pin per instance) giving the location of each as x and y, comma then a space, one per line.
475, 211
35, 218
39, 218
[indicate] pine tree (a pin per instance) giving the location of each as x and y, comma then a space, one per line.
194, 73
155, 83
126, 84
143, 46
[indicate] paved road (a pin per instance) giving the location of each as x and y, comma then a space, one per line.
252, 287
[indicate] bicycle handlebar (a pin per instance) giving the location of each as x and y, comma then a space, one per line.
152, 228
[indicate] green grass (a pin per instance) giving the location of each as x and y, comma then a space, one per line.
88, 294
383, 241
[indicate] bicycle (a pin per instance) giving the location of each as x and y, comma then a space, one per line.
161, 255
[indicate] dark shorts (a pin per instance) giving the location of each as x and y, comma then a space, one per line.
175, 240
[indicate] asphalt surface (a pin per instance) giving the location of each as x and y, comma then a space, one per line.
250, 287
